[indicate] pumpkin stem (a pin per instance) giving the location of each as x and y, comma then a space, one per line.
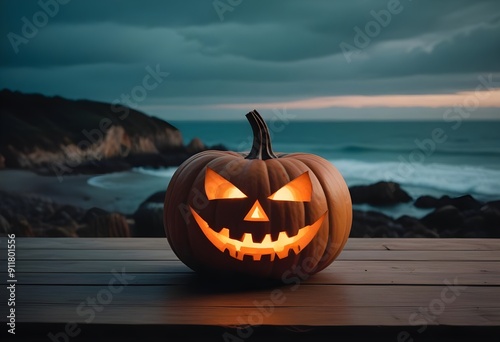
261, 148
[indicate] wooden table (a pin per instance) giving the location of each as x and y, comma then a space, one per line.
135, 288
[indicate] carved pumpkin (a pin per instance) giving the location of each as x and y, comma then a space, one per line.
259, 214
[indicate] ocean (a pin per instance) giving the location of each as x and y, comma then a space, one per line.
427, 158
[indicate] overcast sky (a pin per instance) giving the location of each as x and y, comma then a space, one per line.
318, 59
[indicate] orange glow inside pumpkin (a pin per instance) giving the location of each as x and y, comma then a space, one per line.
246, 246
217, 187
297, 190
257, 213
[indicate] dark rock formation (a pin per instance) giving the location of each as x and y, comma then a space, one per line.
93, 214
372, 224
494, 204
59, 232
5, 228
22, 227
149, 217
446, 217
462, 203
196, 145
413, 227
157, 197
110, 225
66, 216
53, 135
379, 194
453, 217
490, 214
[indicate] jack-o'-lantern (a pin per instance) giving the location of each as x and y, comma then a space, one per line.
260, 213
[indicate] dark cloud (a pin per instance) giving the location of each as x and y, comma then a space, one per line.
262, 49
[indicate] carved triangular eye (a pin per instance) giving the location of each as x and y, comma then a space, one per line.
217, 187
298, 190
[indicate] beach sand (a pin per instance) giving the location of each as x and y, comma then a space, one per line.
75, 190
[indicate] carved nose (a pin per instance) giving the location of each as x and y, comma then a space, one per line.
257, 213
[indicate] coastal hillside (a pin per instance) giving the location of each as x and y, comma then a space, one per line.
57, 135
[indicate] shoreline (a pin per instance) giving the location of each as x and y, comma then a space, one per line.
72, 190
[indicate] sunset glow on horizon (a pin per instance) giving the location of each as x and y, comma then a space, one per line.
481, 98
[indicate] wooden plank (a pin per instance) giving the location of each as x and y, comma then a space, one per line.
201, 295
376, 275
101, 254
453, 315
103, 278
96, 266
92, 243
352, 244
167, 254
339, 266
411, 244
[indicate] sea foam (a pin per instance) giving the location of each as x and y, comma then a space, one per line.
453, 179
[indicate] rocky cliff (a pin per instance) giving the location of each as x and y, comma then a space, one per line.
49, 134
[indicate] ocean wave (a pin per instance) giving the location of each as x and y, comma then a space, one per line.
457, 150
457, 179
138, 179
162, 172
108, 181
393, 148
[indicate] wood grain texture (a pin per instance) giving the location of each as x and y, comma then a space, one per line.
167, 254
352, 244
292, 296
284, 316
376, 275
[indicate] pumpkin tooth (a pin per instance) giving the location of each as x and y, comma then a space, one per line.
281, 245
247, 239
224, 232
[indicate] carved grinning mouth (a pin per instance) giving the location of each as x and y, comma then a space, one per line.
280, 247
